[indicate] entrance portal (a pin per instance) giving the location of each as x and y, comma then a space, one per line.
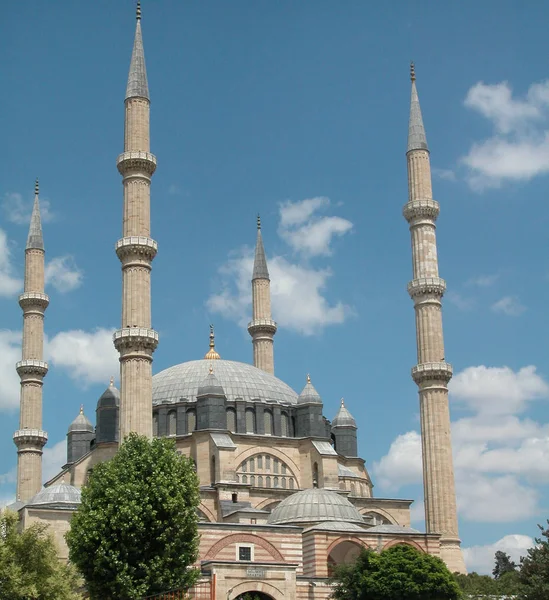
253, 595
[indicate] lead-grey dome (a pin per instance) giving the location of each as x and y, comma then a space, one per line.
61, 495
238, 380
313, 506
81, 422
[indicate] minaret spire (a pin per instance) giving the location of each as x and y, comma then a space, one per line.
136, 340
30, 438
432, 373
262, 328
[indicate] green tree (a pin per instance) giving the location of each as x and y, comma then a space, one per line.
399, 573
534, 569
135, 532
504, 564
29, 566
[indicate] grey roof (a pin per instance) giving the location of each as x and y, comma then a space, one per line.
309, 394
137, 79
417, 139
392, 529
81, 422
336, 526
239, 380
222, 440
16, 506
60, 495
324, 448
210, 386
314, 505
110, 397
260, 261
35, 239
344, 471
343, 418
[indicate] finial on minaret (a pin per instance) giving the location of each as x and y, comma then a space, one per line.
81, 409
212, 354
342, 403
138, 11
111, 383
308, 378
36, 187
258, 221
412, 71
417, 139
35, 239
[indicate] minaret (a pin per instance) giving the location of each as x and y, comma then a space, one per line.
432, 373
136, 340
262, 327
30, 439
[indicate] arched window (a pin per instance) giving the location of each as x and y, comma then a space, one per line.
250, 420
155, 424
212, 471
268, 421
191, 420
231, 420
258, 468
315, 475
293, 432
284, 425
172, 422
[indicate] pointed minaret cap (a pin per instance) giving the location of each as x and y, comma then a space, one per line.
343, 418
417, 139
260, 261
35, 239
309, 394
137, 79
212, 354
81, 423
210, 386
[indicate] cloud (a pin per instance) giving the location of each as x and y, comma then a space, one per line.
444, 174
298, 290
509, 305
402, 464
458, 300
19, 211
53, 459
10, 353
481, 558
88, 357
306, 232
518, 149
483, 281
9, 284
63, 274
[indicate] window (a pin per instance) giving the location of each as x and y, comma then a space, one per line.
275, 465
268, 422
267, 463
212, 471
253, 521
285, 425
250, 420
191, 420
315, 475
155, 425
251, 462
234, 497
259, 463
245, 553
231, 420
256, 470
172, 422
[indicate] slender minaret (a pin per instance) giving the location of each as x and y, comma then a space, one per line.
432, 373
30, 439
136, 340
262, 327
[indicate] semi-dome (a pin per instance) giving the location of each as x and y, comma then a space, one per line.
238, 380
59, 495
313, 506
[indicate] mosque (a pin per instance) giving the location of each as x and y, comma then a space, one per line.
284, 495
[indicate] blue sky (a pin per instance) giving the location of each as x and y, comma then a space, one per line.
259, 107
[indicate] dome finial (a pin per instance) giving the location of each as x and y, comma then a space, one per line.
412, 71
212, 354
211, 369
111, 382
342, 402
308, 378
81, 409
138, 11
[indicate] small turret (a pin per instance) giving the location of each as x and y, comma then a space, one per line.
344, 432
211, 412
79, 437
107, 415
309, 419
309, 394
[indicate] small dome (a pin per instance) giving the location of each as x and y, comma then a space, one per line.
343, 418
392, 529
81, 423
309, 394
210, 386
110, 397
313, 506
59, 495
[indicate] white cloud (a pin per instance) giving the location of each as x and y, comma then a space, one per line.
444, 174
417, 514
63, 274
88, 357
53, 459
9, 284
402, 464
481, 558
293, 214
461, 302
19, 211
519, 147
10, 353
509, 305
483, 281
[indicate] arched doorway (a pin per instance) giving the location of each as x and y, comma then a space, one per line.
344, 553
253, 595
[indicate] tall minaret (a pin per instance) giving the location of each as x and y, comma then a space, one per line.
136, 340
432, 373
262, 328
30, 439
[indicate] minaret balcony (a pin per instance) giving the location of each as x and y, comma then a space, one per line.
136, 161
265, 326
427, 285
30, 437
135, 338
34, 300
31, 367
432, 371
138, 247
425, 208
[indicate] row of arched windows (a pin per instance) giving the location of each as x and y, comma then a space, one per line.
266, 470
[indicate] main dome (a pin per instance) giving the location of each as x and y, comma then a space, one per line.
239, 380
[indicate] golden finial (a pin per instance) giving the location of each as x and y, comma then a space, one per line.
138, 11
212, 354
36, 187
258, 221
412, 71
308, 378
111, 383
81, 409
342, 403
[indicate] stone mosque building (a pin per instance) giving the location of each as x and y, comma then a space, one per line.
284, 494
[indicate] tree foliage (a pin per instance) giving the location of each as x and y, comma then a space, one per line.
135, 532
29, 566
478, 586
534, 568
399, 573
503, 565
